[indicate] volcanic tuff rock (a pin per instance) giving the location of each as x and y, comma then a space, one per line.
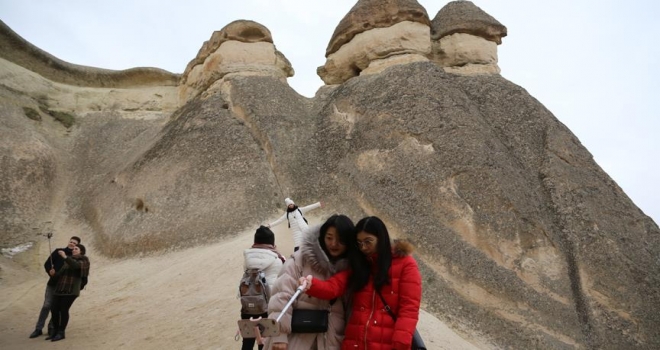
370, 14
241, 47
28, 169
375, 35
374, 50
466, 17
465, 39
15, 49
44, 101
524, 242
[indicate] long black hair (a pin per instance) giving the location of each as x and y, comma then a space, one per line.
360, 264
345, 229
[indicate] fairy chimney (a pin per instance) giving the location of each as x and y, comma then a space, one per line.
241, 47
465, 38
374, 35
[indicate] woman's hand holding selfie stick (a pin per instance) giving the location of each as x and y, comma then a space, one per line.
305, 283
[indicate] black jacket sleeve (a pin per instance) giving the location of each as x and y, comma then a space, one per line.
47, 264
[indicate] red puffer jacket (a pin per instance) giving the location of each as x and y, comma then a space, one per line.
371, 327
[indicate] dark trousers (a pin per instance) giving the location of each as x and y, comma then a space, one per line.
45, 309
248, 343
60, 311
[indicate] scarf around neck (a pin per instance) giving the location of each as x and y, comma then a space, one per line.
269, 247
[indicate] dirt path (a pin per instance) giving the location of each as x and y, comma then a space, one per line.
178, 300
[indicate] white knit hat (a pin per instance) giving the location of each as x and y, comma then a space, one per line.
288, 201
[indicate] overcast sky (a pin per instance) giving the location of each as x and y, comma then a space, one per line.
593, 63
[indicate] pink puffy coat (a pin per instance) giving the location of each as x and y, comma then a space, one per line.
309, 260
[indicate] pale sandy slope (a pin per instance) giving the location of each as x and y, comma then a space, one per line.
178, 300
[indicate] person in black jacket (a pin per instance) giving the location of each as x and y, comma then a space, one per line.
53, 263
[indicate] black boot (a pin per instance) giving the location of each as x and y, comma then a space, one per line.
51, 335
58, 336
36, 333
51, 328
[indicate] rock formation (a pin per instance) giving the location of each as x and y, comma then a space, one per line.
45, 102
15, 49
465, 39
523, 240
241, 47
374, 35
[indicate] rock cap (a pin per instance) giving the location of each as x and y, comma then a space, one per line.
243, 30
370, 14
466, 17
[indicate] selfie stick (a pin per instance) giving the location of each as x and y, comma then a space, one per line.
293, 298
259, 322
50, 250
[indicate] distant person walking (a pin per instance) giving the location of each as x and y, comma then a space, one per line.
262, 256
53, 264
67, 288
296, 219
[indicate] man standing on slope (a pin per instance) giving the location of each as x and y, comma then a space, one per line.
297, 222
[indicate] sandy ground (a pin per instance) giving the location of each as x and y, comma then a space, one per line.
178, 300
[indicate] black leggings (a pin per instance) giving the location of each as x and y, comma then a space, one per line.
248, 343
60, 311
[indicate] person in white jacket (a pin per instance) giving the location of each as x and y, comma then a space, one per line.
263, 256
296, 219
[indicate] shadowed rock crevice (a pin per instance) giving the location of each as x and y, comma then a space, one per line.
569, 246
259, 136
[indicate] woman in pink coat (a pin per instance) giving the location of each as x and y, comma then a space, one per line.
382, 274
322, 254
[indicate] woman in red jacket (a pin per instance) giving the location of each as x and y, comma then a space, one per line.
382, 275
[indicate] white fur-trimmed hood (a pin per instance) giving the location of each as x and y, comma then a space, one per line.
314, 255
